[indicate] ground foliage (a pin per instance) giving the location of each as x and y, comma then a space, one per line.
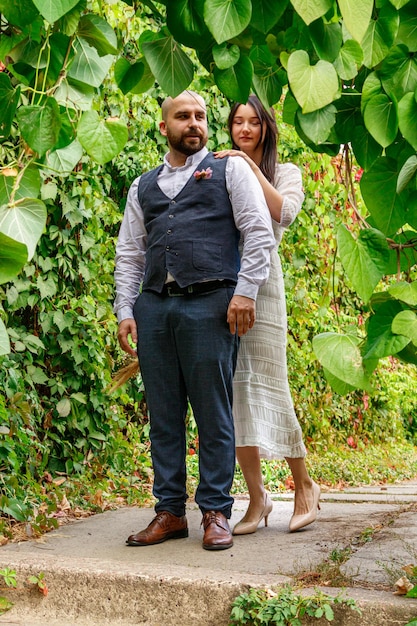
57, 421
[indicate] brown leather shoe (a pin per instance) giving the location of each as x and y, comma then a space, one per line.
164, 526
217, 534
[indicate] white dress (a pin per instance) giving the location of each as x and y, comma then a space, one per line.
263, 410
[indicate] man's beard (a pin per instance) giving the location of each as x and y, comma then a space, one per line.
178, 143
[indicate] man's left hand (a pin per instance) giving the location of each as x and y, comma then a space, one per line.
241, 314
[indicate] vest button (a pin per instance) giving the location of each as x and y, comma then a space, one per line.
167, 248
173, 202
169, 231
170, 216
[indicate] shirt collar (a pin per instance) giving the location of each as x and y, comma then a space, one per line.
192, 160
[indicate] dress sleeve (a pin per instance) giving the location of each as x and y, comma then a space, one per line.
288, 183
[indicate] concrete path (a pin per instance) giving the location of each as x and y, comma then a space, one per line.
94, 579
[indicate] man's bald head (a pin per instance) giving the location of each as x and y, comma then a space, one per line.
185, 96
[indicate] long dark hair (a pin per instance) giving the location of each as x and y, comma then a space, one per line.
269, 154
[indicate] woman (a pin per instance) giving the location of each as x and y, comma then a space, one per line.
265, 421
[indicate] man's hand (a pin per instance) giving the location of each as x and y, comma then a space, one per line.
241, 314
128, 328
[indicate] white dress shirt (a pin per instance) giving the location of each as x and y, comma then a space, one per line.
251, 215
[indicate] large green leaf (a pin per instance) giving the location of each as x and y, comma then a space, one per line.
364, 259
98, 33
379, 191
40, 125
225, 56
380, 36
381, 341
341, 356
52, 10
65, 159
171, 67
349, 59
18, 12
407, 32
236, 81
147, 80
314, 86
407, 114
318, 124
87, 65
339, 386
405, 323
24, 221
74, 95
365, 148
227, 18
266, 13
381, 119
13, 256
406, 292
9, 98
407, 173
186, 24
310, 10
101, 139
356, 16
326, 39
128, 75
266, 77
23, 185
4, 340
398, 72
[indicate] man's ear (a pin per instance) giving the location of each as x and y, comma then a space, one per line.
163, 128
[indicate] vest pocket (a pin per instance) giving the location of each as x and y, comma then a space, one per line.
207, 257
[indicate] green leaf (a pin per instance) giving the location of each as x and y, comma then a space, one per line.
52, 10
64, 407
65, 159
341, 356
18, 12
87, 66
171, 67
310, 10
37, 375
236, 81
148, 79
47, 287
349, 60
128, 75
398, 72
405, 323
9, 98
380, 36
25, 186
101, 139
412, 594
266, 13
364, 259
186, 24
318, 124
98, 33
4, 337
339, 386
227, 18
40, 125
381, 341
406, 292
225, 56
407, 114
266, 78
13, 256
379, 191
381, 119
407, 173
326, 39
314, 86
24, 221
74, 95
356, 16
407, 32
408, 354
407, 257
365, 148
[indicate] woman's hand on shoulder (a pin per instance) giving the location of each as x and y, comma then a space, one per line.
224, 153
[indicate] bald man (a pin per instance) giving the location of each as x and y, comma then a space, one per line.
185, 293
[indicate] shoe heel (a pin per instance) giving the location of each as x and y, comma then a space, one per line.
266, 519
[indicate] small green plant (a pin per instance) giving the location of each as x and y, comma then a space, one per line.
261, 607
9, 577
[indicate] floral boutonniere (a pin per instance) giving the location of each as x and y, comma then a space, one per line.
199, 175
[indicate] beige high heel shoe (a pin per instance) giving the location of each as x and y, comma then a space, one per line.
299, 521
246, 528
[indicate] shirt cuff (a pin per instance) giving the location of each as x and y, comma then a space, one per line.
248, 290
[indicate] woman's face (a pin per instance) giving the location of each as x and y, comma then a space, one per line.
247, 129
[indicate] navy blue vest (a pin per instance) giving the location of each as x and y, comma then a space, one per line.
193, 236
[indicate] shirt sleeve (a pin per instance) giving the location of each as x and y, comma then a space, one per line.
253, 219
130, 256
288, 183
